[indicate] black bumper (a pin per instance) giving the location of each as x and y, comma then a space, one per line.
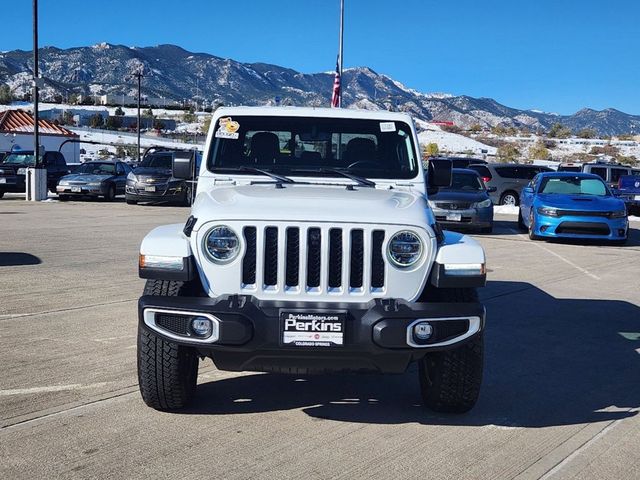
375, 334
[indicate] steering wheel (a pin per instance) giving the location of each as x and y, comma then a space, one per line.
363, 164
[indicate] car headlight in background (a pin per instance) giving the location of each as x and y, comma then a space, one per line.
431, 203
221, 244
405, 249
548, 211
131, 177
483, 204
618, 214
94, 184
63, 183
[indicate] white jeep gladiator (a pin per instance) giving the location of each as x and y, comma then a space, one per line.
311, 248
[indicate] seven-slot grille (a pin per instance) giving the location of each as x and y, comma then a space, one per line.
304, 259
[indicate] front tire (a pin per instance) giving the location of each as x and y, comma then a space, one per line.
167, 372
110, 196
532, 227
131, 202
450, 380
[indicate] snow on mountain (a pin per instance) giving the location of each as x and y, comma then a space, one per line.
174, 73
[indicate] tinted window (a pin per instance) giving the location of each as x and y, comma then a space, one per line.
507, 172
465, 181
302, 146
573, 186
600, 171
482, 171
157, 160
97, 168
616, 173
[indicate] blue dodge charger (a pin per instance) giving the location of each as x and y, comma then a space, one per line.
572, 205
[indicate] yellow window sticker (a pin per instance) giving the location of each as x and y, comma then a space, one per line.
228, 129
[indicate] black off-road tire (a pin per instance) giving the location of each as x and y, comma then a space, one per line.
1, 193
167, 372
450, 380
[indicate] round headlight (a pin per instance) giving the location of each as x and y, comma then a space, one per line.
405, 249
222, 244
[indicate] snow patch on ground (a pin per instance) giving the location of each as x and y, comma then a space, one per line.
506, 209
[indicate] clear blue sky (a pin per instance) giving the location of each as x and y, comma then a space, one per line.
553, 55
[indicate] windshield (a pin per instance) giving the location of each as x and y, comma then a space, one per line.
157, 160
96, 168
465, 181
19, 159
312, 146
573, 186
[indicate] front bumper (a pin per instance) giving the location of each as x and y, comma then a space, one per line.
12, 184
81, 190
581, 227
471, 218
161, 192
377, 334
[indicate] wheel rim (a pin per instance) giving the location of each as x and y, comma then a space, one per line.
509, 200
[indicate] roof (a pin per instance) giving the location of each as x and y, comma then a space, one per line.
315, 112
19, 121
569, 175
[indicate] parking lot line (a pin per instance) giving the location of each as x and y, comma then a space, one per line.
558, 256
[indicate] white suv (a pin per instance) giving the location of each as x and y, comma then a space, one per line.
311, 248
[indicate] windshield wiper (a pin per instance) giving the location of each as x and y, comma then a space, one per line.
363, 182
280, 179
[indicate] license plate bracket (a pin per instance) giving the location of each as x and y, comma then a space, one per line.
150, 188
454, 217
76, 189
308, 328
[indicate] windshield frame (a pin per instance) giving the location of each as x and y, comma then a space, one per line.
412, 158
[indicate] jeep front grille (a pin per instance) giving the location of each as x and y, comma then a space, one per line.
312, 259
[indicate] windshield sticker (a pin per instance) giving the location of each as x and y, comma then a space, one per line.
228, 129
387, 126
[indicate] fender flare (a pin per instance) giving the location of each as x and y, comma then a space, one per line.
167, 241
459, 250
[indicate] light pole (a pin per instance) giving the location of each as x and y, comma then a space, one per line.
138, 73
36, 184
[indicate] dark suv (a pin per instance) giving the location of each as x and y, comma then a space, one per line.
462, 162
152, 180
13, 170
508, 179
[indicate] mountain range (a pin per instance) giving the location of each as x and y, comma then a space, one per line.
174, 73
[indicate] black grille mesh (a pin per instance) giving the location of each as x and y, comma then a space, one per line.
293, 257
249, 260
377, 260
174, 323
313, 257
357, 258
335, 258
271, 256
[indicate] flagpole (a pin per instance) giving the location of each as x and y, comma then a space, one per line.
340, 48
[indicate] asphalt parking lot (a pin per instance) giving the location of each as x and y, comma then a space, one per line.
560, 397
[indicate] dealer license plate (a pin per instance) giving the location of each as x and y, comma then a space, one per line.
454, 217
312, 329
22, 171
3, 180
76, 189
150, 189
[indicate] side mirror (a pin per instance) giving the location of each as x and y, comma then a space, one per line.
439, 174
184, 165
492, 189
528, 190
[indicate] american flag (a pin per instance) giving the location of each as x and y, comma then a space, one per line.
335, 96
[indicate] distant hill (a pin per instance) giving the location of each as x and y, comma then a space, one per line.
178, 74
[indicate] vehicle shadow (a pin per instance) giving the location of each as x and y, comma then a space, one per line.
556, 362
12, 259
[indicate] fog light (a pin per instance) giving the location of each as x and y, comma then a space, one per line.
621, 232
201, 327
422, 330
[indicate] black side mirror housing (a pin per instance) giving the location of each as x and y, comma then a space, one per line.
438, 175
184, 165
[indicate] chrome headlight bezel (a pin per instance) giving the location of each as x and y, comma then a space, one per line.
234, 251
417, 255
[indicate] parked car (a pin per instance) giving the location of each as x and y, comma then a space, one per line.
462, 162
464, 204
610, 172
572, 205
13, 169
507, 179
152, 180
628, 190
103, 178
